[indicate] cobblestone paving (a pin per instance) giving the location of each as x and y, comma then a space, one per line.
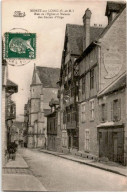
16, 171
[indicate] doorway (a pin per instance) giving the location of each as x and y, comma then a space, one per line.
115, 146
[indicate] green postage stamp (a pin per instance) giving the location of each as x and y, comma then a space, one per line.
20, 45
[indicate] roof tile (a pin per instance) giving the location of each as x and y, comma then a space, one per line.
48, 76
75, 37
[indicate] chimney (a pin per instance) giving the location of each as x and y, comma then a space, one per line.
86, 22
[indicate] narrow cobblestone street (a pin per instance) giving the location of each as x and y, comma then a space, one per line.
57, 174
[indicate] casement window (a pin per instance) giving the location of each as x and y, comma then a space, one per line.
103, 112
73, 116
68, 117
72, 92
83, 85
92, 105
87, 140
116, 110
91, 78
64, 117
83, 114
50, 126
64, 139
54, 124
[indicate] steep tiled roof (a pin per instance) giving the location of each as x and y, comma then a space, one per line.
48, 76
11, 87
117, 85
75, 36
95, 33
10, 83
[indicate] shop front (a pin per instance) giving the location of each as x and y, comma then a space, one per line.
111, 143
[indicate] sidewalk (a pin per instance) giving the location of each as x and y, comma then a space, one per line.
17, 163
109, 166
16, 176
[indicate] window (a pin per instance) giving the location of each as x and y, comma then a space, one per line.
73, 116
68, 117
87, 140
91, 109
72, 92
54, 124
83, 116
103, 112
50, 129
83, 85
92, 79
116, 110
64, 139
64, 117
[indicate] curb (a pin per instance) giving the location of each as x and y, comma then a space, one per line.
27, 168
15, 167
89, 164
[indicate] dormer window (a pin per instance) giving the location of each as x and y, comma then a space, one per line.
112, 9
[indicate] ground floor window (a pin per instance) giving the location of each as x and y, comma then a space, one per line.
87, 140
64, 139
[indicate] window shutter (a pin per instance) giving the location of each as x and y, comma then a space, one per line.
111, 111
82, 113
100, 113
105, 112
119, 109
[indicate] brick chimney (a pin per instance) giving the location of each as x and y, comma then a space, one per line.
86, 22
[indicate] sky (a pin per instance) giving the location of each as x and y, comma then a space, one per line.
50, 36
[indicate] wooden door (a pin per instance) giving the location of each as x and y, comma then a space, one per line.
115, 147
100, 145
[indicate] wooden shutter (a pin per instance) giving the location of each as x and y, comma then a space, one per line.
112, 111
100, 113
105, 112
119, 109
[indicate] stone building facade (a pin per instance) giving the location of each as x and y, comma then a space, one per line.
112, 129
93, 60
101, 64
25, 123
42, 89
69, 87
10, 112
53, 127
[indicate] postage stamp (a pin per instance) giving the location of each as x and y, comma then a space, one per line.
20, 45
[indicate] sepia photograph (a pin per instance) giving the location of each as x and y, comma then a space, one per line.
63, 96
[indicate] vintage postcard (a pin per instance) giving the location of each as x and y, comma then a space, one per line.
64, 105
